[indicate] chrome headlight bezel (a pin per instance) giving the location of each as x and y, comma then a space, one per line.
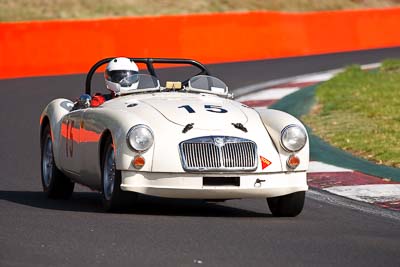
137, 147
284, 141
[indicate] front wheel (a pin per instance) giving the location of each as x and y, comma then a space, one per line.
55, 183
288, 205
114, 198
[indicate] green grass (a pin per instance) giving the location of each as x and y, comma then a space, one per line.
359, 111
19, 10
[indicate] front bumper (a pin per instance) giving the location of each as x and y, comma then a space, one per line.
190, 185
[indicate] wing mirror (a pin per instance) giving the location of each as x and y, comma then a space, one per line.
84, 101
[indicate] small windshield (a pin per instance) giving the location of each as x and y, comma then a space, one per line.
208, 83
140, 82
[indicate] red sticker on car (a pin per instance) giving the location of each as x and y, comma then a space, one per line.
264, 162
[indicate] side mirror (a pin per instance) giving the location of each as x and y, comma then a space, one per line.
84, 101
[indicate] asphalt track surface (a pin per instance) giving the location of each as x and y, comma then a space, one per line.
35, 231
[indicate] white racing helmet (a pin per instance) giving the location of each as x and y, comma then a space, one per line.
121, 76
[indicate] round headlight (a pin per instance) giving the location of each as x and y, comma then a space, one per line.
140, 137
293, 138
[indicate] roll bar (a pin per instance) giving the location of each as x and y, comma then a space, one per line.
149, 64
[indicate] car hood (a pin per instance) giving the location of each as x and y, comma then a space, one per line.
211, 116
203, 110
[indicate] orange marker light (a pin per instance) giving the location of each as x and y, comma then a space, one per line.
293, 161
138, 162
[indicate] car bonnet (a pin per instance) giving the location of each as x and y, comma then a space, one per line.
203, 110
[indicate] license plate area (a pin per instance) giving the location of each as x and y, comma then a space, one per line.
221, 181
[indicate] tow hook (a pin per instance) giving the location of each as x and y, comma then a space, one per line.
258, 183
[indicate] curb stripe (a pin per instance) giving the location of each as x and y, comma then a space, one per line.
294, 84
316, 166
259, 103
369, 193
393, 205
270, 94
321, 77
324, 180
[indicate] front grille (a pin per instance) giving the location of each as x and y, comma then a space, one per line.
218, 153
201, 155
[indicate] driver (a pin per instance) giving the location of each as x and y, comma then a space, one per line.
121, 77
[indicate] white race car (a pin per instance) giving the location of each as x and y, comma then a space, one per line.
187, 139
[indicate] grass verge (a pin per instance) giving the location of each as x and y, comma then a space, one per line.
18, 10
358, 111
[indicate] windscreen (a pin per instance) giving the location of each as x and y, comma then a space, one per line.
208, 83
147, 82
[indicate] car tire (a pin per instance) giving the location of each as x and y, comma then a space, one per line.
55, 184
114, 198
288, 205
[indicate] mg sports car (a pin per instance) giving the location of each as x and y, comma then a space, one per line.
183, 139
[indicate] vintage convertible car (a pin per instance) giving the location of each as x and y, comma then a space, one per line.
187, 139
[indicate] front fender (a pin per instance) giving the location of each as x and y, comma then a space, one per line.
275, 121
118, 123
54, 112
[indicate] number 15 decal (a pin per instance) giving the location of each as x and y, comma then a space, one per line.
210, 108
215, 109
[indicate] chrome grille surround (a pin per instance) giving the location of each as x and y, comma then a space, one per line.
218, 153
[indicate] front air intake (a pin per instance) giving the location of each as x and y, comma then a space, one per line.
218, 153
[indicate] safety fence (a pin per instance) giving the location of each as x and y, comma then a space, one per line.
72, 46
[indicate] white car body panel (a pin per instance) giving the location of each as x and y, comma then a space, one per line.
78, 155
169, 108
191, 186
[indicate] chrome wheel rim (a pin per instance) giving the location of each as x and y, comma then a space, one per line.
47, 162
109, 174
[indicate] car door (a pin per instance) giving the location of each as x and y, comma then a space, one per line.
70, 143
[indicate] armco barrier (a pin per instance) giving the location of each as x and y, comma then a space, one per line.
66, 47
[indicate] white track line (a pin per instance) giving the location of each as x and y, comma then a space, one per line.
371, 66
319, 77
270, 94
368, 193
316, 166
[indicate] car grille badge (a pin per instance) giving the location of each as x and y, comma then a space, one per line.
219, 141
